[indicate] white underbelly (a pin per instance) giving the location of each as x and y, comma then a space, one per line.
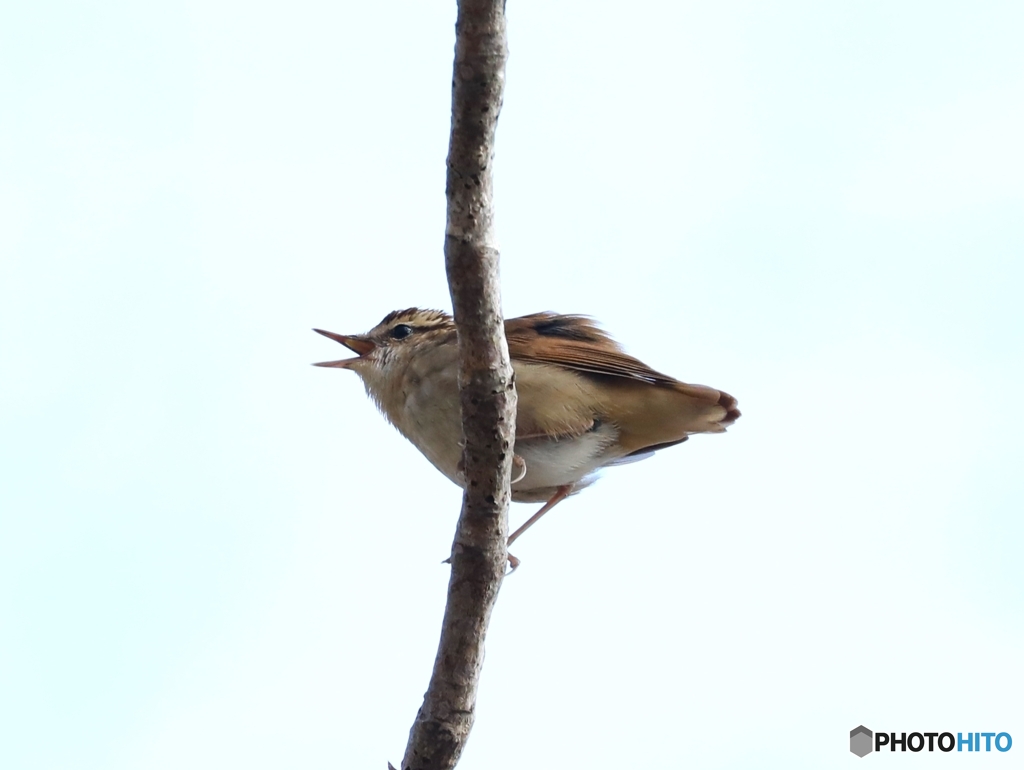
555, 463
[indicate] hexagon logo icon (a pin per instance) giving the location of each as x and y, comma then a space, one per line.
860, 741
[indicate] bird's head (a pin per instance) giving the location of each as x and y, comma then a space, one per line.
390, 346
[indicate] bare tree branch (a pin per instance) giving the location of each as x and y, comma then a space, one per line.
488, 395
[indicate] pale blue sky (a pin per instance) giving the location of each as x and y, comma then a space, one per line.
214, 555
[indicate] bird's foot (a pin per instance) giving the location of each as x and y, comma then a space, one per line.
518, 469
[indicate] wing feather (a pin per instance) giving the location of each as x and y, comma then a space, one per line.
670, 411
575, 342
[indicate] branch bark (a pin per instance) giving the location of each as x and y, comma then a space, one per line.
487, 390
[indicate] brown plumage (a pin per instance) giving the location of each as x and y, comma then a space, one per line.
584, 403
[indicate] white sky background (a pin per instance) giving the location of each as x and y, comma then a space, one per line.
214, 555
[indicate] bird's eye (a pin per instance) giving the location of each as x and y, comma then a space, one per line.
401, 331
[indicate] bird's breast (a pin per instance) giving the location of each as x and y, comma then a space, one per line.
560, 432
427, 412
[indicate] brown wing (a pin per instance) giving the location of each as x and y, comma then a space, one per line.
575, 342
651, 409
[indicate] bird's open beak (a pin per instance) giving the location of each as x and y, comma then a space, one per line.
360, 345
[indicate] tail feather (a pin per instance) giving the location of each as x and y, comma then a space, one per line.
655, 416
716, 409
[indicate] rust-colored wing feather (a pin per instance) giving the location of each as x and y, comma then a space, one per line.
653, 410
575, 342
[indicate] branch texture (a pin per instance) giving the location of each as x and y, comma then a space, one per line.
487, 394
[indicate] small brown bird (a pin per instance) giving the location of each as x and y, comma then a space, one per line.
584, 404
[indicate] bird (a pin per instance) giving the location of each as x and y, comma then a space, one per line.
584, 404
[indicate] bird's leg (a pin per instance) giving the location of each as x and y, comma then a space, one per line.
518, 471
560, 494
